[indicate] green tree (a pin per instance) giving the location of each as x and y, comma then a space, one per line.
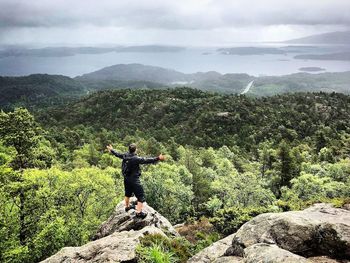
287, 166
267, 157
168, 190
308, 187
19, 130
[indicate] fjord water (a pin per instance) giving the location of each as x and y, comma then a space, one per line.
189, 60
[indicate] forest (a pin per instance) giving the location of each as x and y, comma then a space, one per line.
229, 158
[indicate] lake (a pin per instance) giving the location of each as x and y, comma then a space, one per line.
189, 60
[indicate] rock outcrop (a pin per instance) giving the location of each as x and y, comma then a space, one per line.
117, 238
121, 221
319, 232
117, 247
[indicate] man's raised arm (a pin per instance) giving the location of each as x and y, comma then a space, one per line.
111, 150
143, 160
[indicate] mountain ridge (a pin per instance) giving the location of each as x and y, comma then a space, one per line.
338, 37
46, 89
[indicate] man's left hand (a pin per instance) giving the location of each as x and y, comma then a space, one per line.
109, 147
161, 157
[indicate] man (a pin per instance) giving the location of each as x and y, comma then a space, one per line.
132, 172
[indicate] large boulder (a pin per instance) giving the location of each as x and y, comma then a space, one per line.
320, 233
318, 230
122, 221
117, 247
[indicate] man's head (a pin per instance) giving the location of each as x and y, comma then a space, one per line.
132, 148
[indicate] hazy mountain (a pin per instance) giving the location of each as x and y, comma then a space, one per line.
302, 82
327, 38
71, 51
49, 89
135, 72
154, 77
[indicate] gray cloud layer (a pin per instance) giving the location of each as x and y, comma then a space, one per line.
180, 14
161, 15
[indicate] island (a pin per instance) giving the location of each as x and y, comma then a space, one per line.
311, 69
345, 56
244, 51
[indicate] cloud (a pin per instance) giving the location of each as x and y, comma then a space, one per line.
172, 15
286, 12
148, 21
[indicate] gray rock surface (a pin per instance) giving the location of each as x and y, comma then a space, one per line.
318, 230
324, 259
117, 247
213, 252
267, 253
229, 259
122, 221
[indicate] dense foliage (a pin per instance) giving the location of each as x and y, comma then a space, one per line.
229, 159
206, 119
38, 89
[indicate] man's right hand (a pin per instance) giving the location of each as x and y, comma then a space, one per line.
109, 147
161, 157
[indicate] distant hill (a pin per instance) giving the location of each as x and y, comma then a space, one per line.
43, 89
326, 38
71, 51
154, 77
142, 76
135, 72
302, 82
37, 89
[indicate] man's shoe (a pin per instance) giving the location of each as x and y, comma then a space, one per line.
141, 215
131, 206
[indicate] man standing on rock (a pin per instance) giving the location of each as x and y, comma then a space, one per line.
132, 172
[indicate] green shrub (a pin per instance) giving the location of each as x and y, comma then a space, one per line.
229, 220
155, 254
295, 203
200, 234
159, 248
18, 254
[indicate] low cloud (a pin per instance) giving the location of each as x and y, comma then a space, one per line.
159, 16
181, 14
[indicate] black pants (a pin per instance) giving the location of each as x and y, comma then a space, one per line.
133, 186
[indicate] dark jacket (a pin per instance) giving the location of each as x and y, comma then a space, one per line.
131, 163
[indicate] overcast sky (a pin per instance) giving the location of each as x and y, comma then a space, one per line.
172, 22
